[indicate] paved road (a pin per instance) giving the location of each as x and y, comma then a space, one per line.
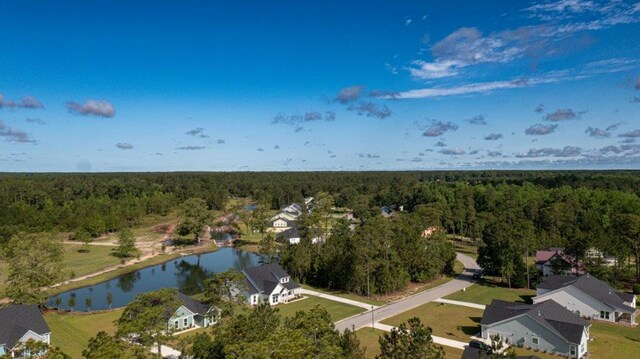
337, 299
395, 308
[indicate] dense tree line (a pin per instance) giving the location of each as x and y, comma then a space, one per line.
381, 256
514, 211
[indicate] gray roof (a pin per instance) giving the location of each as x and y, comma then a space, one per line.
265, 278
290, 233
16, 320
593, 287
549, 314
193, 305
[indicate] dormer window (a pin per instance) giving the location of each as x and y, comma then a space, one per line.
284, 280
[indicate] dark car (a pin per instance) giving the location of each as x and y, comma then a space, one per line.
479, 345
477, 276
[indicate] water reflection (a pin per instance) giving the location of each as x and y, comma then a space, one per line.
187, 274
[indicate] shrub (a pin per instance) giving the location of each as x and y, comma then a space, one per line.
636, 288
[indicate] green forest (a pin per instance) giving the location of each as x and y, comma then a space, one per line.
510, 213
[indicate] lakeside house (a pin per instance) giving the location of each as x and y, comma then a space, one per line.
19, 324
270, 283
588, 297
192, 314
545, 326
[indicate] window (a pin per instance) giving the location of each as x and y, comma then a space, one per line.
535, 340
274, 298
284, 280
573, 350
604, 315
176, 324
185, 322
254, 299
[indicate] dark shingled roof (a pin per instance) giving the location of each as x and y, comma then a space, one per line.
16, 320
265, 278
289, 233
193, 305
593, 287
549, 314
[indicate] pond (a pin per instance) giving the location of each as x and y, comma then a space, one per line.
187, 274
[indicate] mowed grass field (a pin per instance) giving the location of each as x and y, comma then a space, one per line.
614, 341
72, 331
484, 293
445, 320
336, 310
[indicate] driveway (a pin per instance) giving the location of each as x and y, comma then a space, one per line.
395, 308
337, 299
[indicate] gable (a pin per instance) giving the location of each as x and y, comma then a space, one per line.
524, 325
564, 294
30, 335
182, 312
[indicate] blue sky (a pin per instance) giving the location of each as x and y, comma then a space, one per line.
291, 85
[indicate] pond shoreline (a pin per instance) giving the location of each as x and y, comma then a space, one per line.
104, 276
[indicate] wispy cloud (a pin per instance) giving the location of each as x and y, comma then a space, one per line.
438, 128
540, 129
539, 108
14, 135
92, 107
370, 109
494, 153
563, 115
477, 120
440, 144
368, 155
190, 148
614, 126
452, 151
631, 134
597, 132
567, 151
124, 146
220, 141
349, 94
493, 136
26, 102
260, 149
297, 119
197, 132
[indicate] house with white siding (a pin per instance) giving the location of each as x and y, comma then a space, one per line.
19, 324
192, 314
546, 327
588, 297
270, 283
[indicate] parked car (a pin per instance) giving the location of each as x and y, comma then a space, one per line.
477, 276
479, 345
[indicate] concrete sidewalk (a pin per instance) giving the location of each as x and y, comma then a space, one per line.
337, 299
463, 304
438, 340
166, 352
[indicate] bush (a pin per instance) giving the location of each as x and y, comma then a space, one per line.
636, 288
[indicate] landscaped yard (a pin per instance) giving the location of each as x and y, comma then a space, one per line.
369, 339
445, 320
614, 341
336, 310
72, 331
483, 293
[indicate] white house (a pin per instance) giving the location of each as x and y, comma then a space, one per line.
191, 314
281, 225
588, 297
18, 324
269, 283
545, 326
545, 260
292, 236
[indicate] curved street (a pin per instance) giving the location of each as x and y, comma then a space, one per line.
395, 308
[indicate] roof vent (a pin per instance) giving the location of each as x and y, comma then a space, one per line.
539, 313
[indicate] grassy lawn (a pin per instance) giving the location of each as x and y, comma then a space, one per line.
81, 263
448, 321
336, 310
71, 332
369, 339
485, 292
471, 251
614, 341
